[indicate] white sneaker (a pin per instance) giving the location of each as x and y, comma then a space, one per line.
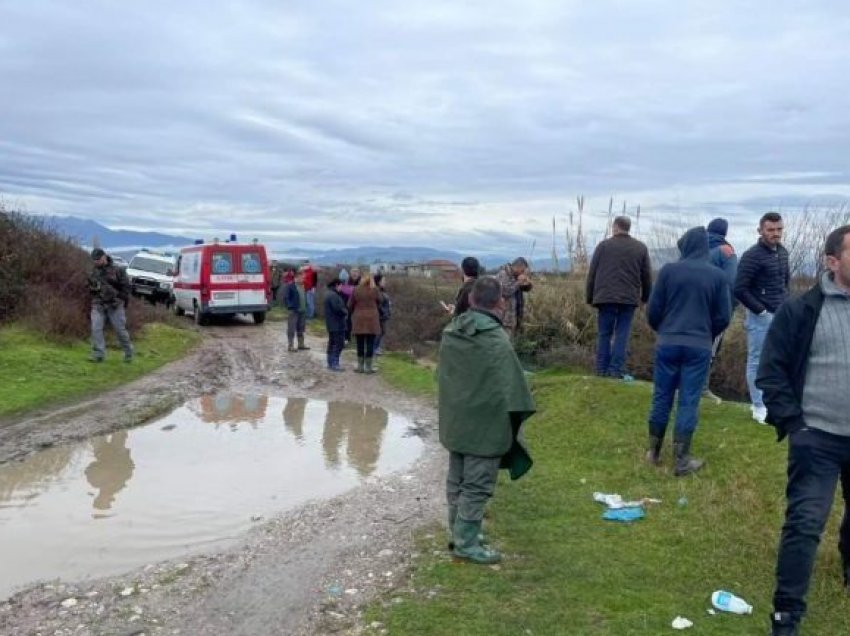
760, 414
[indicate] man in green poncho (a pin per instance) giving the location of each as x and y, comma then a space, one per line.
484, 399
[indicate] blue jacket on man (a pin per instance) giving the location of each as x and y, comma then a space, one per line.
690, 303
291, 298
721, 253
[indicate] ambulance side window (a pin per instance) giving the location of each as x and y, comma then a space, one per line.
251, 263
222, 263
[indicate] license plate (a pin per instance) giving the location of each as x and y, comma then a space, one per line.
144, 290
224, 295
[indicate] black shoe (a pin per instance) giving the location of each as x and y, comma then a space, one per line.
783, 624
685, 464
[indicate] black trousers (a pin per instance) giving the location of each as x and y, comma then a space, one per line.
816, 461
365, 345
336, 343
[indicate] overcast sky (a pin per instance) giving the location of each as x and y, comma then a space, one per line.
465, 125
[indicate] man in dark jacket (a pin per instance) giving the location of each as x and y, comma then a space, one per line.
722, 255
689, 307
295, 299
805, 373
470, 268
336, 314
761, 285
619, 278
483, 402
109, 287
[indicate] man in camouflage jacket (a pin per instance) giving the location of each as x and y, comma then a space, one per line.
110, 290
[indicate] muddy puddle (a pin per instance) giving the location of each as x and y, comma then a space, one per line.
197, 478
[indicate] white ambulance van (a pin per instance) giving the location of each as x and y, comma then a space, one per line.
222, 279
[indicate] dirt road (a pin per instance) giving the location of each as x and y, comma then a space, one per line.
306, 571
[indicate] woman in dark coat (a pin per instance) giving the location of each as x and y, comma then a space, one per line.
364, 309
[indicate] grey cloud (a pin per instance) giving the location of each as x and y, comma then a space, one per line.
363, 122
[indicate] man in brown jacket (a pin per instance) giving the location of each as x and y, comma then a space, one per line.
619, 278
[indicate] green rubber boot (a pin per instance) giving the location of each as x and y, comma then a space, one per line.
368, 368
361, 365
467, 544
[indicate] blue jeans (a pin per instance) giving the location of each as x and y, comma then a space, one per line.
756, 327
816, 461
683, 369
310, 298
615, 322
100, 315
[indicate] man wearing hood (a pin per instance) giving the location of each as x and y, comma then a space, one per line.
483, 401
804, 373
689, 307
722, 255
109, 288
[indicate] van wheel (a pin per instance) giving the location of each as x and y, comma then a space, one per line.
259, 317
177, 309
200, 319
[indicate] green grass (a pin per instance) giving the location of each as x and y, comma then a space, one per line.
402, 372
36, 372
566, 571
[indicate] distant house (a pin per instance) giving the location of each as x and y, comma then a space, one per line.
388, 269
442, 268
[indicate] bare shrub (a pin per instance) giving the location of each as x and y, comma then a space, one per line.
805, 235
416, 312
44, 280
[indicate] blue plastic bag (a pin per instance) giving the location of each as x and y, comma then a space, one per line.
626, 515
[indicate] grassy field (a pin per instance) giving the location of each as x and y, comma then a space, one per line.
566, 571
35, 371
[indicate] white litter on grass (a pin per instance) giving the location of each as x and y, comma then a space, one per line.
615, 501
69, 602
680, 622
711, 612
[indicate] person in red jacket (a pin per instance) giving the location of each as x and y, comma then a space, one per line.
310, 280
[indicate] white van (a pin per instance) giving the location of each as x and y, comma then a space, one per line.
151, 275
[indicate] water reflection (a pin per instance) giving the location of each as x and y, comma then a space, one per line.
111, 469
293, 417
361, 426
33, 475
232, 409
179, 485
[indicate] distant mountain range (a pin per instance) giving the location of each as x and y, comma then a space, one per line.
87, 232
125, 242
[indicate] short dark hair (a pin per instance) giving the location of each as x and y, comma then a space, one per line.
333, 283
770, 217
470, 266
378, 278
835, 241
519, 261
623, 222
486, 292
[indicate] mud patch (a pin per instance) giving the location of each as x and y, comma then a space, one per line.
196, 478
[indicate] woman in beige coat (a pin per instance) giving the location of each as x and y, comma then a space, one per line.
365, 321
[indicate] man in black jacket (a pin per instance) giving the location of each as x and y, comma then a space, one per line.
804, 374
619, 278
689, 307
109, 288
761, 285
336, 314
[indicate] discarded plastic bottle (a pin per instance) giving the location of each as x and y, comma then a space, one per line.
728, 602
